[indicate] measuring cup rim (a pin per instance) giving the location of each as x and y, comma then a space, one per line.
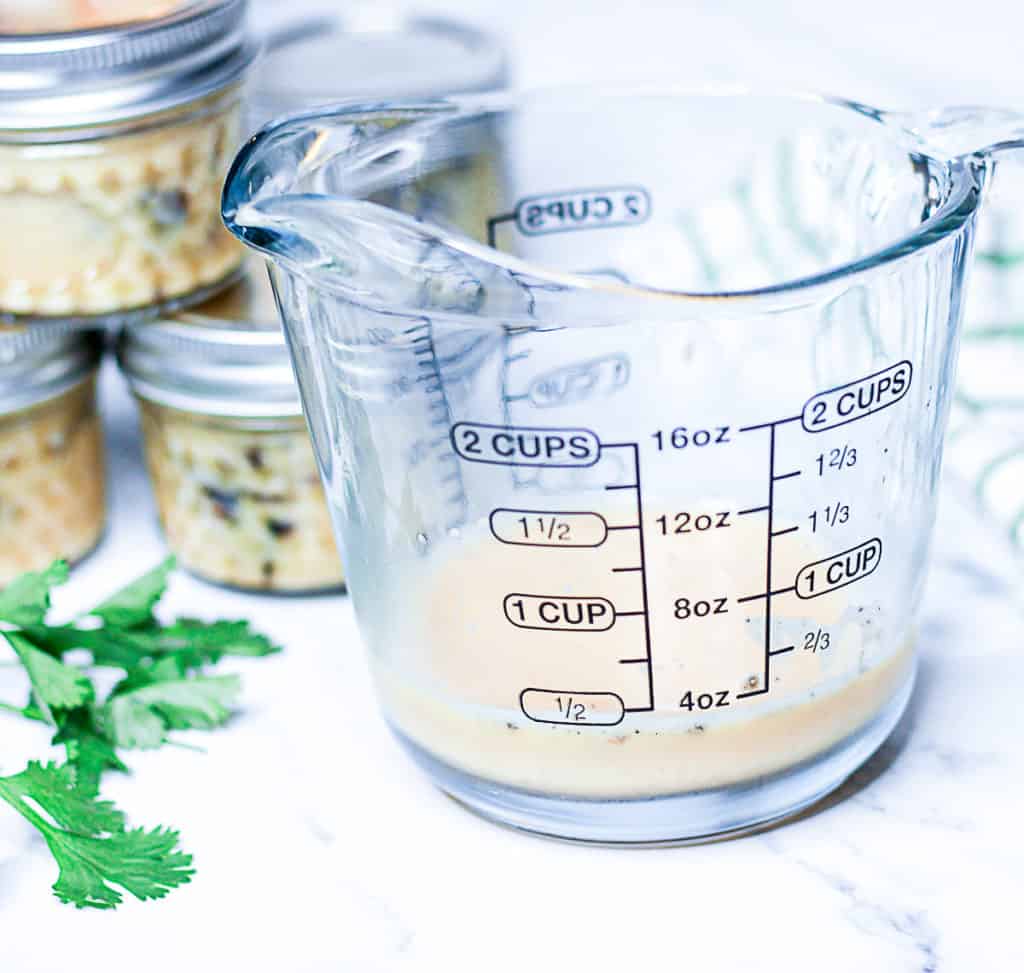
960, 205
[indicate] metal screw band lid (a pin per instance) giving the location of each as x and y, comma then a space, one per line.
119, 73
226, 358
41, 362
340, 54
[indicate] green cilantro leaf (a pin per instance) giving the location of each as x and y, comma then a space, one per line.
52, 788
196, 642
108, 646
164, 688
94, 853
133, 605
141, 717
54, 684
89, 753
145, 863
26, 600
193, 642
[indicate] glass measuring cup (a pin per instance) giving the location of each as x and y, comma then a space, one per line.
629, 406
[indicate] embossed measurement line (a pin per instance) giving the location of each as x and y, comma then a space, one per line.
770, 425
492, 226
766, 594
752, 692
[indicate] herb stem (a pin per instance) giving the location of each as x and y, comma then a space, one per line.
184, 746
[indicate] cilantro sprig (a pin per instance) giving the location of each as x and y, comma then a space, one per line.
165, 686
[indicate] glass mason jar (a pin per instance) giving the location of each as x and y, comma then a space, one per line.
113, 146
236, 484
52, 468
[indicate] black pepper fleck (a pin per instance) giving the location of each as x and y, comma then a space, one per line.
255, 457
279, 528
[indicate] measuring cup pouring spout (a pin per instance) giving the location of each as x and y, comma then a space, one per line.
971, 133
629, 406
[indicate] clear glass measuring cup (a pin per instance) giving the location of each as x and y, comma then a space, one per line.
629, 406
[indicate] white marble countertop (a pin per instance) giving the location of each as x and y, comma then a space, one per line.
320, 848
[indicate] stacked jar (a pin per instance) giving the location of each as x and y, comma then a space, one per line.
118, 123
52, 470
114, 139
236, 484
230, 460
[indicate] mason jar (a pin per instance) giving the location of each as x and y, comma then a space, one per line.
114, 141
52, 466
237, 488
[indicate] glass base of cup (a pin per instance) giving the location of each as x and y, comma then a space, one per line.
673, 819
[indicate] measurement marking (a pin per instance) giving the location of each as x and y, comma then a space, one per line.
788, 648
431, 382
752, 510
771, 425
753, 692
640, 709
643, 575
771, 529
629, 662
788, 530
786, 476
619, 614
767, 594
624, 570
493, 223
626, 527
624, 486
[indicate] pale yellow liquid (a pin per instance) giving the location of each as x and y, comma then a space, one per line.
452, 683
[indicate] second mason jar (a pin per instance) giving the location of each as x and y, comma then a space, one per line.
113, 145
52, 463
237, 488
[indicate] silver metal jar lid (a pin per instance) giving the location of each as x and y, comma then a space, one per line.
368, 51
40, 363
223, 359
80, 79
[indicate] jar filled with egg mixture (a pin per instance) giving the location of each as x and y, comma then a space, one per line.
115, 135
52, 472
237, 488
